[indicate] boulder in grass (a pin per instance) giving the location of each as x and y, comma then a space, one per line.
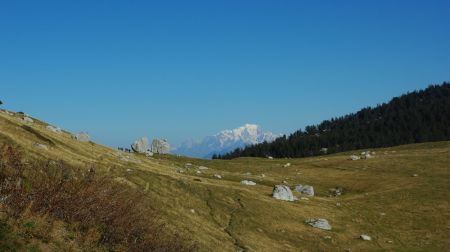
27, 119
365, 237
305, 189
282, 192
160, 146
53, 129
319, 223
248, 182
141, 145
82, 137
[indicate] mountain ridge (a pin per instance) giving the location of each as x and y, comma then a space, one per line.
225, 141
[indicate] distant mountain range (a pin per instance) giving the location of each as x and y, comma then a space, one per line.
225, 141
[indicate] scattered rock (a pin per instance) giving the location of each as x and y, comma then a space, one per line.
319, 223
354, 157
327, 237
269, 157
141, 145
42, 146
217, 176
203, 168
180, 170
263, 175
248, 182
188, 164
282, 192
160, 146
304, 198
129, 170
287, 165
334, 192
53, 129
365, 237
82, 137
247, 173
198, 172
415, 175
26, 119
305, 189
192, 211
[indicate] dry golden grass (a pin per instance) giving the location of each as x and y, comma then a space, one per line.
381, 197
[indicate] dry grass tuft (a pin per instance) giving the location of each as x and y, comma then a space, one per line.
109, 215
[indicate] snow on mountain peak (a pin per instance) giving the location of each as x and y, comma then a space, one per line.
225, 141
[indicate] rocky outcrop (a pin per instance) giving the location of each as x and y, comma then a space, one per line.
160, 146
282, 192
141, 145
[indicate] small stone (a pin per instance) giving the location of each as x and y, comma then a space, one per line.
415, 175
248, 182
354, 157
327, 237
199, 172
129, 170
365, 237
192, 211
217, 176
203, 168
42, 146
287, 165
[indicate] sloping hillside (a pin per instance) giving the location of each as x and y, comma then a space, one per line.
399, 197
416, 117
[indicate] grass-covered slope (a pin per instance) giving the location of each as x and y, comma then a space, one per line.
381, 196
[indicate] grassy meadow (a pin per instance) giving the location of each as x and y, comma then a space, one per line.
400, 197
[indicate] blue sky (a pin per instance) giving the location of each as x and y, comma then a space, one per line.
186, 69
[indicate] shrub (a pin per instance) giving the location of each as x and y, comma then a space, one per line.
90, 203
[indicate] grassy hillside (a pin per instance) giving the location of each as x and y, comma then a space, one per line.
381, 196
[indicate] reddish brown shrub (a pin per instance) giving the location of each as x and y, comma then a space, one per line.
85, 201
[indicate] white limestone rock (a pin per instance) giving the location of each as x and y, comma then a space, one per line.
248, 182
305, 189
365, 237
160, 146
141, 145
82, 137
319, 223
53, 129
282, 192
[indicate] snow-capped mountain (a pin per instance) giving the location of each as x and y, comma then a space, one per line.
225, 141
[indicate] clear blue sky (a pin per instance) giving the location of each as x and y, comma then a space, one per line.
186, 69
